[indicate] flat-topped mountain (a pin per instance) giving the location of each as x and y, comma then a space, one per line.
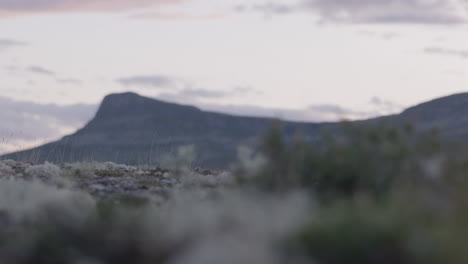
132, 129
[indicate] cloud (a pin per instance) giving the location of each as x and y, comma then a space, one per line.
280, 113
373, 11
334, 110
195, 93
9, 43
269, 8
184, 92
40, 70
331, 112
191, 95
384, 106
381, 35
188, 94
202, 93
313, 113
445, 51
179, 16
148, 81
388, 11
12, 7
69, 81
25, 124
180, 90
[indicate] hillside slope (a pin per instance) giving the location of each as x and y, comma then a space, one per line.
132, 129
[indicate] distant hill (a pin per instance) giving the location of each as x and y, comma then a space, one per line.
449, 115
132, 129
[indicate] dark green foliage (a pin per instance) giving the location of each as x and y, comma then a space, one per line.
386, 195
410, 227
357, 159
347, 237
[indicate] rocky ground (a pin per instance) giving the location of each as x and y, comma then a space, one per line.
110, 179
104, 213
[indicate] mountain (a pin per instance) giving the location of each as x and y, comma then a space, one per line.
449, 115
132, 129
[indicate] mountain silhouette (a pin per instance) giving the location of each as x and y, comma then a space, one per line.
132, 129
449, 115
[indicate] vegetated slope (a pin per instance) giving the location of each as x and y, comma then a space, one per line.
132, 129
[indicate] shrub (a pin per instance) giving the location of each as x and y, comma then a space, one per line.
353, 160
407, 228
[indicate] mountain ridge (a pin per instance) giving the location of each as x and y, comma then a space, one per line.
132, 129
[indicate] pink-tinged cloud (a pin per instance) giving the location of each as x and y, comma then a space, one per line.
180, 16
12, 7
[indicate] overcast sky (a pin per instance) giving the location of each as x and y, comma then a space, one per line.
310, 60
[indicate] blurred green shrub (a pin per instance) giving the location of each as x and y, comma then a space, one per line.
408, 228
387, 195
355, 159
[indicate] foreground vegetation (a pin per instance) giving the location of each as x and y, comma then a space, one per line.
365, 195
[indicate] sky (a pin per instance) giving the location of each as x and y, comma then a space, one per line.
304, 60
